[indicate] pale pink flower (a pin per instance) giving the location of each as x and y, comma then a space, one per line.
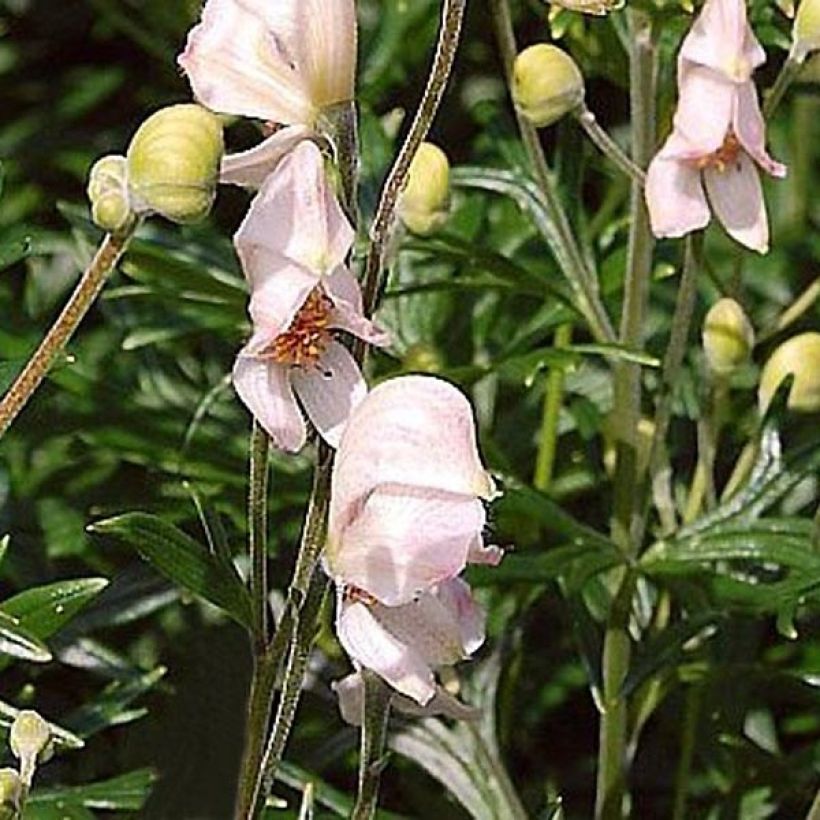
406, 644
718, 135
406, 509
292, 246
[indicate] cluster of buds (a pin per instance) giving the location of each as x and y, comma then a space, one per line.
30, 742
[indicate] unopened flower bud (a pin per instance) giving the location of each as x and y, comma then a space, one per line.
547, 84
173, 163
11, 791
108, 191
728, 336
806, 30
29, 739
425, 201
798, 357
422, 358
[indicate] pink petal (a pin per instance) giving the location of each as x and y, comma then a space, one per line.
457, 598
265, 389
372, 646
330, 391
675, 198
484, 554
402, 540
751, 129
704, 114
296, 215
722, 40
736, 198
237, 64
252, 167
350, 692
278, 289
343, 289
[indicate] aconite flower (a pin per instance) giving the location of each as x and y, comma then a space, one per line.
292, 246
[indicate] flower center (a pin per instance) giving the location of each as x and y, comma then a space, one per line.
307, 337
724, 157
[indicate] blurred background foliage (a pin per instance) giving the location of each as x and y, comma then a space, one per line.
140, 416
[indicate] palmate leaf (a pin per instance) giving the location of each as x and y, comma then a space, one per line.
183, 560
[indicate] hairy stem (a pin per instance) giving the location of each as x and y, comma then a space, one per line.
54, 342
258, 532
788, 74
608, 147
373, 743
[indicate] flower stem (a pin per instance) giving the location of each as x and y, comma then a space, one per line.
373, 743
553, 396
568, 253
258, 533
694, 698
803, 302
84, 295
608, 147
788, 74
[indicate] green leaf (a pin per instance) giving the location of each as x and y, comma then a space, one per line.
61, 737
126, 792
4, 547
21, 643
183, 560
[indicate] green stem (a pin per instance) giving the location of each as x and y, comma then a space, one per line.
788, 74
814, 811
85, 294
694, 699
582, 279
373, 744
258, 532
608, 147
553, 398
803, 303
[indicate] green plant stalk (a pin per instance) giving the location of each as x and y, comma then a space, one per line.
803, 303
85, 294
553, 399
814, 811
607, 146
788, 74
583, 281
694, 699
258, 533
612, 775
372, 747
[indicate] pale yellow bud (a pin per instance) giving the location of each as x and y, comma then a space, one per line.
11, 792
728, 336
422, 358
806, 30
547, 84
108, 191
173, 163
29, 738
425, 202
798, 357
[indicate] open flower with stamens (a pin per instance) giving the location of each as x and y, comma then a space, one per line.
718, 139
280, 61
292, 245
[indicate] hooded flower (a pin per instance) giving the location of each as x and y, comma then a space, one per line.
281, 61
292, 246
404, 645
718, 135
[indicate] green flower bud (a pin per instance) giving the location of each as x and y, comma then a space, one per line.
11, 792
108, 191
29, 739
728, 336
173, 163
425, 202
806, 30
547, 84
798, 357
422, 358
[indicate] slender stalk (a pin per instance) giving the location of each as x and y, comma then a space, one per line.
85, 294
582, 279
258, 533
608, 147
553, 398
803, 303
694, 699
814, 811
452, 17
788, 74
373, 744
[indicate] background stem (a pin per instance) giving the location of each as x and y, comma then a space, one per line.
258, 532
373, 743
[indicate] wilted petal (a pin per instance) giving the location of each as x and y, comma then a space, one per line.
703, 117
296, 215
675, 198
372, 646
238, 64
736, 197
330, 391
265, 389
722, 40
403, 540
750, 129
251, 168
344, 291
278, 289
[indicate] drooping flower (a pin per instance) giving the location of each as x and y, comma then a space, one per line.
718, 135
282, 62
292, 246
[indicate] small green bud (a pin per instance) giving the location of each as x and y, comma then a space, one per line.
728, 337
11, 792
806, 30
29, 739
422, 358
425, 202
108, 191
547, 84
173, 163
798, 357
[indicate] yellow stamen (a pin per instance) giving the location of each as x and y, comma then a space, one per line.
304, 342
